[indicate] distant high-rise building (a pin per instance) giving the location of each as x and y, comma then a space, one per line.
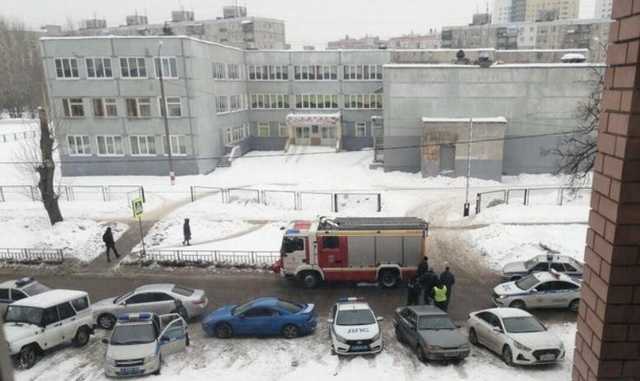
505, 11
481, 19
502, 10
93, 24
233, 11
603, 9
137, 20
366, 42
415, 41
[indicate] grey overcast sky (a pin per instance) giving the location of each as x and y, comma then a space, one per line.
307, 22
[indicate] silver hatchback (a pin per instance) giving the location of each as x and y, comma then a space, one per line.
160, 299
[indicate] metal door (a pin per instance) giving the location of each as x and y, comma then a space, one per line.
447, 159
174, 338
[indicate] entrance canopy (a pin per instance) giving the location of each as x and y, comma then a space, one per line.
318, 119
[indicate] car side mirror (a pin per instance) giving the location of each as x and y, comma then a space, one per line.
497, 329
105, 341
330, 321
534, 290
380, 318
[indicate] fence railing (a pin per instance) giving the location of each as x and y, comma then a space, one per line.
296, 200
235, 258
31, 256
530, 196
16, 136
73, 192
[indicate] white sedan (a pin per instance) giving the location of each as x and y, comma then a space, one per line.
516, 335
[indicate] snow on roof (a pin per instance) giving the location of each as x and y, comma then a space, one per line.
409, 66
50, 298
496, 66
353, 306
509, 312
498, 119
156, 287
108, 37
313, 115
573, 56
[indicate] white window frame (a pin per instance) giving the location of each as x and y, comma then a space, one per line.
219, 70
228, 136
137, 61
67, 107
261, 128
147, 101
147, 145
360, 129
106, 104
170, 102
283, 130
168, 60
175, 140
233, 72
75, 149
113, 139
73, 73
220, 107
102, 60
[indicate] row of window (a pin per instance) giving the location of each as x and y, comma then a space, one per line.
130, 67
268, 72
226, 71
264, 130
269, 101
231, 103
108, 107
113, 145
363, 101
233, 135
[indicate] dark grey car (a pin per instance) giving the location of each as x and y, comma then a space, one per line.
431, 333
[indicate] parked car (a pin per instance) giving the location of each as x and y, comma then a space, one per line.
262, 317
44, 321
160, 299
14, 290
541, 263
432, 334
140, 342
539, 290
516, 335
354, 328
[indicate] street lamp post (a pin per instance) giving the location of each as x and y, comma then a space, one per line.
466, 203
165, 117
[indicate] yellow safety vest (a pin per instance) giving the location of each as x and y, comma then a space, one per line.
440, 294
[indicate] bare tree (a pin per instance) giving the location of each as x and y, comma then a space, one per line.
46, 170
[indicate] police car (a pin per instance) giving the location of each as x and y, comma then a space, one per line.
140, 341
355, 329
14, 290
539, 290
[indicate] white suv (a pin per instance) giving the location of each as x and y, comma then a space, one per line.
355, 329
38, 323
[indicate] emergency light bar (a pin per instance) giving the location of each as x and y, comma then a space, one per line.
144, 316
350, 299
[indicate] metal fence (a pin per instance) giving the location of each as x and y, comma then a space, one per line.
532, 196
73, 192
233, 258
31, 256
16, 136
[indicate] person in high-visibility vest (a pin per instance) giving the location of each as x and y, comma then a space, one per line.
439, 295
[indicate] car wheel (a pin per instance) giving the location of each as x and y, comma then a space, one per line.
310, 280
82, 337
290, 331
421, 355
519, 304
187, 340
389, 279
473, 337
507, 356
28, 357
223, 331
106, 321
399, 335
574, 305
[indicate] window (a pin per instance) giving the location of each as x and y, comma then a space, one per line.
361, 129
4, 294
557, 267
138, 107
233, 70
78, 145
263, 129
363, 101
235, 103
105, 107
331, 242
283, 130
73, 107
110, 145
67, 68
169, 67
313, 101
178, 145
328, 133
222, 104
133, 67
363, 72
80, 304
219, 71
50, 316
259, 312
268, 72
99, 67
160, 297
269, 101
543, 266
174, 106
570, 268
65, 311
143, 145
139, 298
17, 295
316, 72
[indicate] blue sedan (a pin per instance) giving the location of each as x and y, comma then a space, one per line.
262, 317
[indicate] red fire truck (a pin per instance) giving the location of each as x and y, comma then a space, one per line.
384, 250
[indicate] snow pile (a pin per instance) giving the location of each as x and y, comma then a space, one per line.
534, 214
501, 244
10, 126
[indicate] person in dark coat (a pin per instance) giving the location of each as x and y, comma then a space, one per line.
448, 279
429, 280
413, 292
186, 231
108, 240
422, 268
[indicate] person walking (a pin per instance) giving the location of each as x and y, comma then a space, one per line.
413, 292
448, 279
186, 231
429, 280
108, 240
439, 294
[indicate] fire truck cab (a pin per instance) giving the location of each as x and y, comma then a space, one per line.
370, 249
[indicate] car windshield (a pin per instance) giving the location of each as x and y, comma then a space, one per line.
290, 307
526, 324
355, 317
23, 314
183, 291
35, 288
527, 282
435, 323
133, 334
122, 297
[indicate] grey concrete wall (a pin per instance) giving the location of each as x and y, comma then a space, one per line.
268, 144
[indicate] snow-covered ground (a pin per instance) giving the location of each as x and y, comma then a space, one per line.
307, 358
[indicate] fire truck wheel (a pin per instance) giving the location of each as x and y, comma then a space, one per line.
310, 279
389, 278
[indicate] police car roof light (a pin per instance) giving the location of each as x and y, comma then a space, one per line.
350, 299
24, 281
144, 316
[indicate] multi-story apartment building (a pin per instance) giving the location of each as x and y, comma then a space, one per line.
603, 9
506, 11
415, 41
502, 10
366, 42
105, 96
559, 34
234, 29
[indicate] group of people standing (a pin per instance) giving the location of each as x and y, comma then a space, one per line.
434, 289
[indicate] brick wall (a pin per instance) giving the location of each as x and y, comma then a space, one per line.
608, 338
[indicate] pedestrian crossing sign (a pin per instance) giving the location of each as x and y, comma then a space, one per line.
137, 206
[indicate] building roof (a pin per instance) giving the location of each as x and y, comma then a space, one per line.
498, 119
373, 223
50, 298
